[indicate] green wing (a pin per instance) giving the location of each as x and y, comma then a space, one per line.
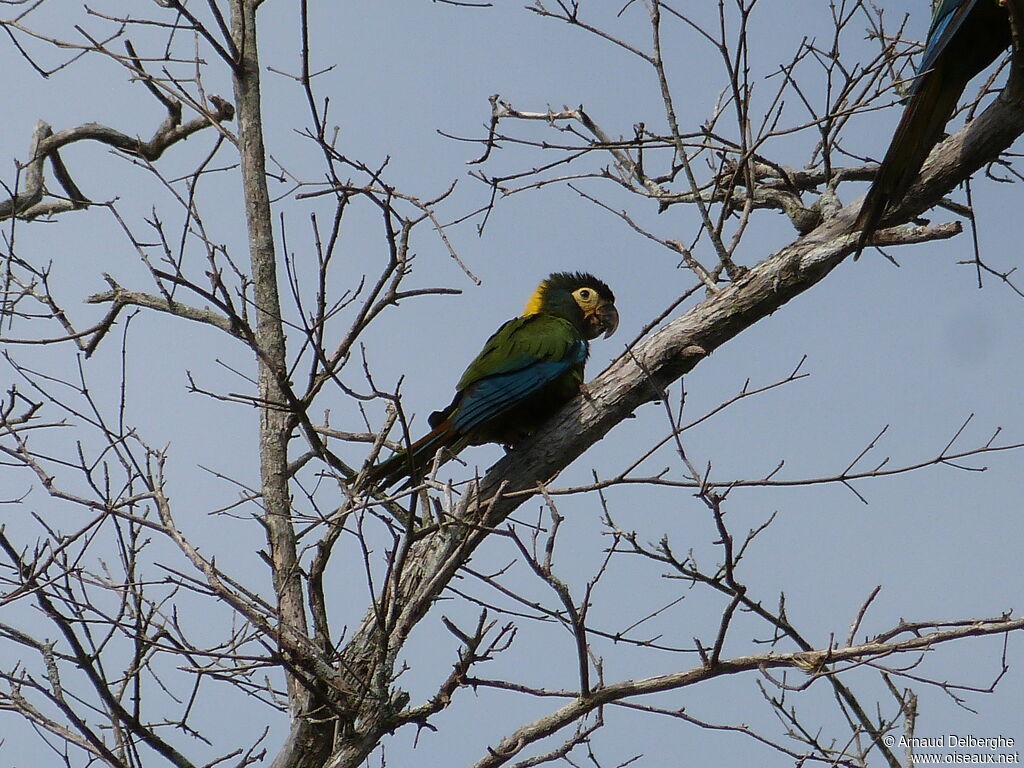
522, 342
517, 363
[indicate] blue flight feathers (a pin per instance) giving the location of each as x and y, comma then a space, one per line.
948, 18
487, 397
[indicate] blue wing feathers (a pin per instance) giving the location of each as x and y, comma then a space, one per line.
487, 397
949, 17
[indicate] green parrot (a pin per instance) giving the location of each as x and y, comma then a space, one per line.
964, 38
529, 368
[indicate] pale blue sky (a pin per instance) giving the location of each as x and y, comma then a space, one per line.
918, 348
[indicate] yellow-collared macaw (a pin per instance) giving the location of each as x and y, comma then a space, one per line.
526, 371
964, 38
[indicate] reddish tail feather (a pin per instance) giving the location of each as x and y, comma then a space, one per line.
416, 459
918, 132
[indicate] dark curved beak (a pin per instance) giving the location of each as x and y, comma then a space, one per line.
607, 318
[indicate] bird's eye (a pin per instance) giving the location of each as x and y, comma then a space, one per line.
585, 293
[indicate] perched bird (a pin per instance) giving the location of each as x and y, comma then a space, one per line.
526, 371
964, 38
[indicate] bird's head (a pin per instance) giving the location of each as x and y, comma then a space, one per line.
582, 299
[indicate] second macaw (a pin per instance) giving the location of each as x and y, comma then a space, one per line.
526, 371
964, 38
